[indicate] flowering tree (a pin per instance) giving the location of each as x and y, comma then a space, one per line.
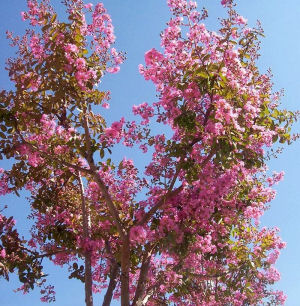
194, 237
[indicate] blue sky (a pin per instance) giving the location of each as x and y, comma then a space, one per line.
137, 26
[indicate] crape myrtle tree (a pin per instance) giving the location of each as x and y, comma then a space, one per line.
194, 237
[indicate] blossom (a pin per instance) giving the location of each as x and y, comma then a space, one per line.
240, 20
36, 47
71, 48
3, 253
88, 5
113, 69
152, 56
23, 16
105, 105
80, 63
226, 2
138, 234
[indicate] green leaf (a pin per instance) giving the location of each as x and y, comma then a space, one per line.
275, 114
78, 38
206, 57
53, 18
102, 153
202, 74
2, 135
223, 77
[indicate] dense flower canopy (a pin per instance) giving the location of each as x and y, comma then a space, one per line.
182, 231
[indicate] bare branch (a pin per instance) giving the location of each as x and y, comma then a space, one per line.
88, 142
115, 269
88, 280
138, 298
125, 267
112, 209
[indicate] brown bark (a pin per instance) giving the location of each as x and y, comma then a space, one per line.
125, 261
88, 279
112, 284
125, 265
139, 293
93, 170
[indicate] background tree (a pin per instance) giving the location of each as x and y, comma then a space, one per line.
192, 238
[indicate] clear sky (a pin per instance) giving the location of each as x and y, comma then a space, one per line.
137, 25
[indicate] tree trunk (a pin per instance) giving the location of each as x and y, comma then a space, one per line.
125, 265
112, 284
139, 293
88, 279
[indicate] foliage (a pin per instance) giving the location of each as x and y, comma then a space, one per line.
194, 238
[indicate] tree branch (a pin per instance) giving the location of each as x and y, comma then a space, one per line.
112, 209
162, 201
138, 297
170, 192
88, 142
88, 280
36, 255
125, 267
92, 171
115, 269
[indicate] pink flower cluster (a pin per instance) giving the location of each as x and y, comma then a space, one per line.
36, 13
138, 235
3, 182
145, 111
204, 180
37, 48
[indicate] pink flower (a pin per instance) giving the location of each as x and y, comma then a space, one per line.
80, 63
3, 253
83, 163
34, 159
61, 149
110, 132
273, 257
71, 48
138, 234
226, 2
81, 76
105, 105
144, 110
23, 16
36, 47
113, 69
152, 56
272, 275
241, 20
88, 6
281, 297
144, 148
